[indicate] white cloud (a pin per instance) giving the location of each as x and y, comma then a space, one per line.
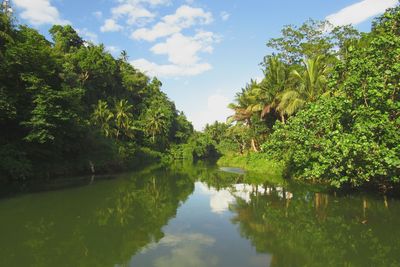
169, 70
183, 50
216, 110
113, 49
225, 15
183, 55
136, 12
39, 12
88, 35
184, 17
361, 11
110, 25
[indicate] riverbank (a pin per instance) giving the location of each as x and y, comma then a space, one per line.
255, 163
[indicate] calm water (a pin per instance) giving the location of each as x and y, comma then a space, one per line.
197, 216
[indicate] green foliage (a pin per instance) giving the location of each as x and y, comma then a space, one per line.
65, 38
254, 163
336, 116
310, 40
351, 139
69, 107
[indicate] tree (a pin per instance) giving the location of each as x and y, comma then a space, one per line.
123, 118
102, 116
349, 139
50, 93
309, 40
65, 38
273, 85
307, 86
156, 124
247, 106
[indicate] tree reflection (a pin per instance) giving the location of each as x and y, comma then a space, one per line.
100, 225
302, 228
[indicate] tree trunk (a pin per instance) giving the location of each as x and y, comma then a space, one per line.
253, 145
283, 118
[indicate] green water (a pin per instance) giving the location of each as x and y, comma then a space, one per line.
196, 216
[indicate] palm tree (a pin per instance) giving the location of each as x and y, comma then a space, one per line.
123, 117
124, 56
307, 86
275, 82
246, 104
156, 123
245, 107
102, 116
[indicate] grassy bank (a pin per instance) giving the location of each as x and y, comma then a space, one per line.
254, 163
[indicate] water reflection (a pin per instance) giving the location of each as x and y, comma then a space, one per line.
100, 225
301, 228
185, 250
198, 216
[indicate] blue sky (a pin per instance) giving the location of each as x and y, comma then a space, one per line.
202, 51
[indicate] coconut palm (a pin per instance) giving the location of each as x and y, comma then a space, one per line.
124, 56
102, 116
245, 107
123, 117
156, 123
306, 86
274, 83
246, 104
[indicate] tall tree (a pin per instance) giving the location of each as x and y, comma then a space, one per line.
123, 118
103, 117
307, 86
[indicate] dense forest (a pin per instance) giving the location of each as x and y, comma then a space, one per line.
327, 109
68, 107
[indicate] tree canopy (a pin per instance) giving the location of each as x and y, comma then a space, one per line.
67, 105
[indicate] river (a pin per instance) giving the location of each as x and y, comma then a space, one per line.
195, 215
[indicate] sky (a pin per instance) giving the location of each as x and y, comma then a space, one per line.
203, 51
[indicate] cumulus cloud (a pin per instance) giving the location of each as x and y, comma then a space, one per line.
88, 35
110, 25
132, 12
113, 49
183, 54
169, 70
183, 50
216, 110
39, 12
184, 17
359, 12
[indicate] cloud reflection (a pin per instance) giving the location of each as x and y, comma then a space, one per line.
220, 200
